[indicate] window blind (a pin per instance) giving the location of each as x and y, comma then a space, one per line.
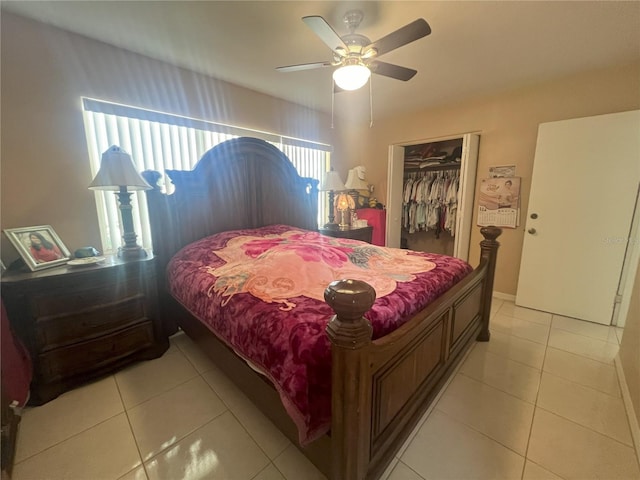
161, 141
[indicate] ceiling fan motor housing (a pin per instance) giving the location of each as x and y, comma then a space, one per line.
352, 19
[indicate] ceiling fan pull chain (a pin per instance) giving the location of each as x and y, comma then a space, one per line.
370, 104
333, 94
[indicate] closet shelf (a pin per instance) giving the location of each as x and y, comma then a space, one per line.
433, 168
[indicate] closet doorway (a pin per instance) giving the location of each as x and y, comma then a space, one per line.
578, 230
430, 194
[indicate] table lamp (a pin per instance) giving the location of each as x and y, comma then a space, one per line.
332, 183
345, 205
358, 188
117, 173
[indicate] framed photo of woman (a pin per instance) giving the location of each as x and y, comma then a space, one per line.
39, 246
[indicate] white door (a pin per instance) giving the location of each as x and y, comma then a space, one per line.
583, 190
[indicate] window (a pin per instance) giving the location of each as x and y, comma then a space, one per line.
159, 141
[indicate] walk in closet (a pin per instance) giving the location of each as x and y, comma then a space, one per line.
430, 194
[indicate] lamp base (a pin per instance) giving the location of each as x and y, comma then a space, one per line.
345, 216
131, 253
331, 226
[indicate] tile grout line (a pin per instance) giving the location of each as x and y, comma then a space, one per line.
622, 444
524, 319
67, 439
164, 391
634, 426
587, 336
535, 404
160, 452
486, 435
245, 428
595, 390
515, 397
611, 365
73, 435
500, 312
126, 411
512, 359
507, 393
228, 409
267, 466
542, 371
579, 354
407, 466
135, 439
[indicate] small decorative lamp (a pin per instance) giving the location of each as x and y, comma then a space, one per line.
345, 206
118, 173
331, 183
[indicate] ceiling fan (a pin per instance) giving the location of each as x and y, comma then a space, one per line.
356, 55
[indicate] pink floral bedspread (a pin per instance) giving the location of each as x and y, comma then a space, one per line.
262, 292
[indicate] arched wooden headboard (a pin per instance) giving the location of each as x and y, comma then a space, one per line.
241, 183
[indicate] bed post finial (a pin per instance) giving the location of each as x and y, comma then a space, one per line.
350, 299
489, 254
350, 334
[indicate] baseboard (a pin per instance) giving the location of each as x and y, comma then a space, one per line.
628, 405
504, 296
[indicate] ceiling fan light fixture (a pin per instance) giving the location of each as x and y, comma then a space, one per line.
351, 77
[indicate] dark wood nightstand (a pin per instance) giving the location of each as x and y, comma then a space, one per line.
363, 233
82, 322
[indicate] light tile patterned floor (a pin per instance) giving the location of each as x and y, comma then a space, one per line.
541, 400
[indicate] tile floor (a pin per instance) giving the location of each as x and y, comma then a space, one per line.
541, 400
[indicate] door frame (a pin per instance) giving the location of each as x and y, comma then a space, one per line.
629, 268
468, 172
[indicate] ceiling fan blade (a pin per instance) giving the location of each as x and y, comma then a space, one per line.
407, 34
393, 71
303, 66
327, 34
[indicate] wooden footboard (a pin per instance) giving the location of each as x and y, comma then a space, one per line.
382, 388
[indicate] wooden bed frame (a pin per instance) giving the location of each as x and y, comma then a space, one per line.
380, 388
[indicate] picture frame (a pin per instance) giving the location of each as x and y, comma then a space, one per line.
39, 246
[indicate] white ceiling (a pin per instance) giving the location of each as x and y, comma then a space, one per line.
476, 48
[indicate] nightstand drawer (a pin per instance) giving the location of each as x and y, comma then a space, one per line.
70, 300
93, 355
55, 331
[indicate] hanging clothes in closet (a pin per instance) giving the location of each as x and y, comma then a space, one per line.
430, 201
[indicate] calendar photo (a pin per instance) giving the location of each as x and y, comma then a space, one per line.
499, 202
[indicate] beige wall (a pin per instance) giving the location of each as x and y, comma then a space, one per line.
630, 347
45, 71
45, 170
507, 125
